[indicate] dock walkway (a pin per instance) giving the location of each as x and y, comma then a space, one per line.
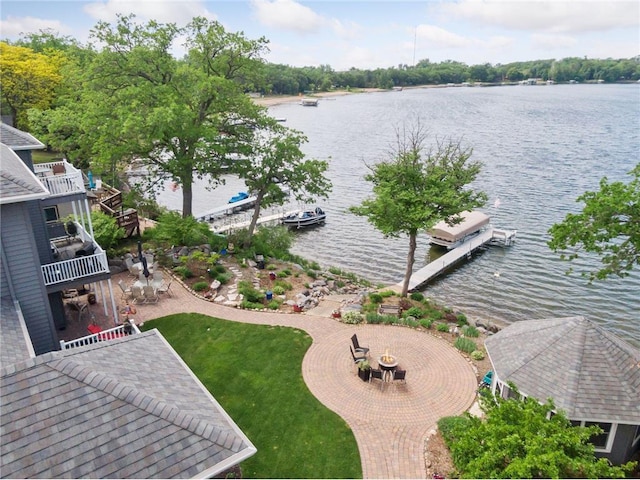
435, 268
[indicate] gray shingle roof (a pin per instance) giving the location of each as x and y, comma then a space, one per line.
128, 408
15, 345
17, 182
590, 373
17, 139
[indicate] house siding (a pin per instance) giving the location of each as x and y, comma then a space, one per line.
23, 270
40, 233
622, 449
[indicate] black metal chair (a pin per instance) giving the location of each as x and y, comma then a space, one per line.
356, 358
377, 374
400, 375
357, 347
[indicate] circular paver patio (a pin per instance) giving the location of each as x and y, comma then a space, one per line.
390, 425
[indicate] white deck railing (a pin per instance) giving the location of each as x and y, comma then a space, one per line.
75, 268
60, 183
111, 334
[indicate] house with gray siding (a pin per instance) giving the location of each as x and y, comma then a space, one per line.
591, 374
123, 407
38, 254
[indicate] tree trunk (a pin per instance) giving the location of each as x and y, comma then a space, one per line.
187, 198
410, 261
254, 219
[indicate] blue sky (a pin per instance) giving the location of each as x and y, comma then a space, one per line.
372, 34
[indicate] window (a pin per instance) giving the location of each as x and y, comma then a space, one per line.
602, 441
636, 436
51, 214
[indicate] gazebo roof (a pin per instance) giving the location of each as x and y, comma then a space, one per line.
590, 373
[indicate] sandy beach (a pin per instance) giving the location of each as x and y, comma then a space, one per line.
270, 101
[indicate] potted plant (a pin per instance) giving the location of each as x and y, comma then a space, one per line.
336, 314
364, 370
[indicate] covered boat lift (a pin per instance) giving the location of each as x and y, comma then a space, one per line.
450, 236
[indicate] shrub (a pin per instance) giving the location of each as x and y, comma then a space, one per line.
224, 277
200, 286
477, 355
375, 297
389, 319
249, 293
273, 305
436, 315
465, 344
425, 323
442, 327
387, 293
470, 331
417, 296
105, 230
270, 267
315, 266
279, 290
183, 272
172, 229
247, 305
311, 274
352, 317
451, 427
462, 319
411, 322
374, 318
335, 271
285, 285
284, 273
415, 312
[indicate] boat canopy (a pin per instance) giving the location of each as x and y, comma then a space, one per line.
471, 223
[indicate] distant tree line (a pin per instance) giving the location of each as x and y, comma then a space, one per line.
287, 80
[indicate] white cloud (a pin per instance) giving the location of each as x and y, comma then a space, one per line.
287, 14
560, 16
439, 37
180, 13
552, 42
346, 30
14, 27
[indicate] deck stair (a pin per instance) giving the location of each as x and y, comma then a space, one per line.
110, 202
437, 267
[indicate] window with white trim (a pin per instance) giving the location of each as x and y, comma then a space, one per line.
51, 214
601, 441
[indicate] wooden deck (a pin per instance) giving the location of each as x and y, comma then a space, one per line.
435, 268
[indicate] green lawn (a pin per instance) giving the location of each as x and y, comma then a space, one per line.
254, 371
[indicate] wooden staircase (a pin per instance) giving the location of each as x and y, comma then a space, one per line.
110, 202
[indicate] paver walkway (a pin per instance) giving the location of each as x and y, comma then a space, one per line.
390, 425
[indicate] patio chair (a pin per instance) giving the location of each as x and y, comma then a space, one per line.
400, 375
357, 347
356, 358
377, 374
133, 268
126, 291
486, 380
158, 278
136, 295
165, 288
149, 293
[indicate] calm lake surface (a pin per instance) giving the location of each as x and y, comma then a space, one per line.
541, 147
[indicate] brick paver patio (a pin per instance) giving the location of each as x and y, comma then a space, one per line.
390, 425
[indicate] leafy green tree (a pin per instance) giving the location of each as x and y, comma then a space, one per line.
278, 162
180, 118
28, 79
413, 191
525, 439
609, 226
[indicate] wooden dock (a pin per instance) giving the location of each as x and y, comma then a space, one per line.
435, 268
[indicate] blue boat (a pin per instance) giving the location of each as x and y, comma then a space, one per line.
239, 196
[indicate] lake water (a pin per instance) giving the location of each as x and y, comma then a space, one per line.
541, 147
